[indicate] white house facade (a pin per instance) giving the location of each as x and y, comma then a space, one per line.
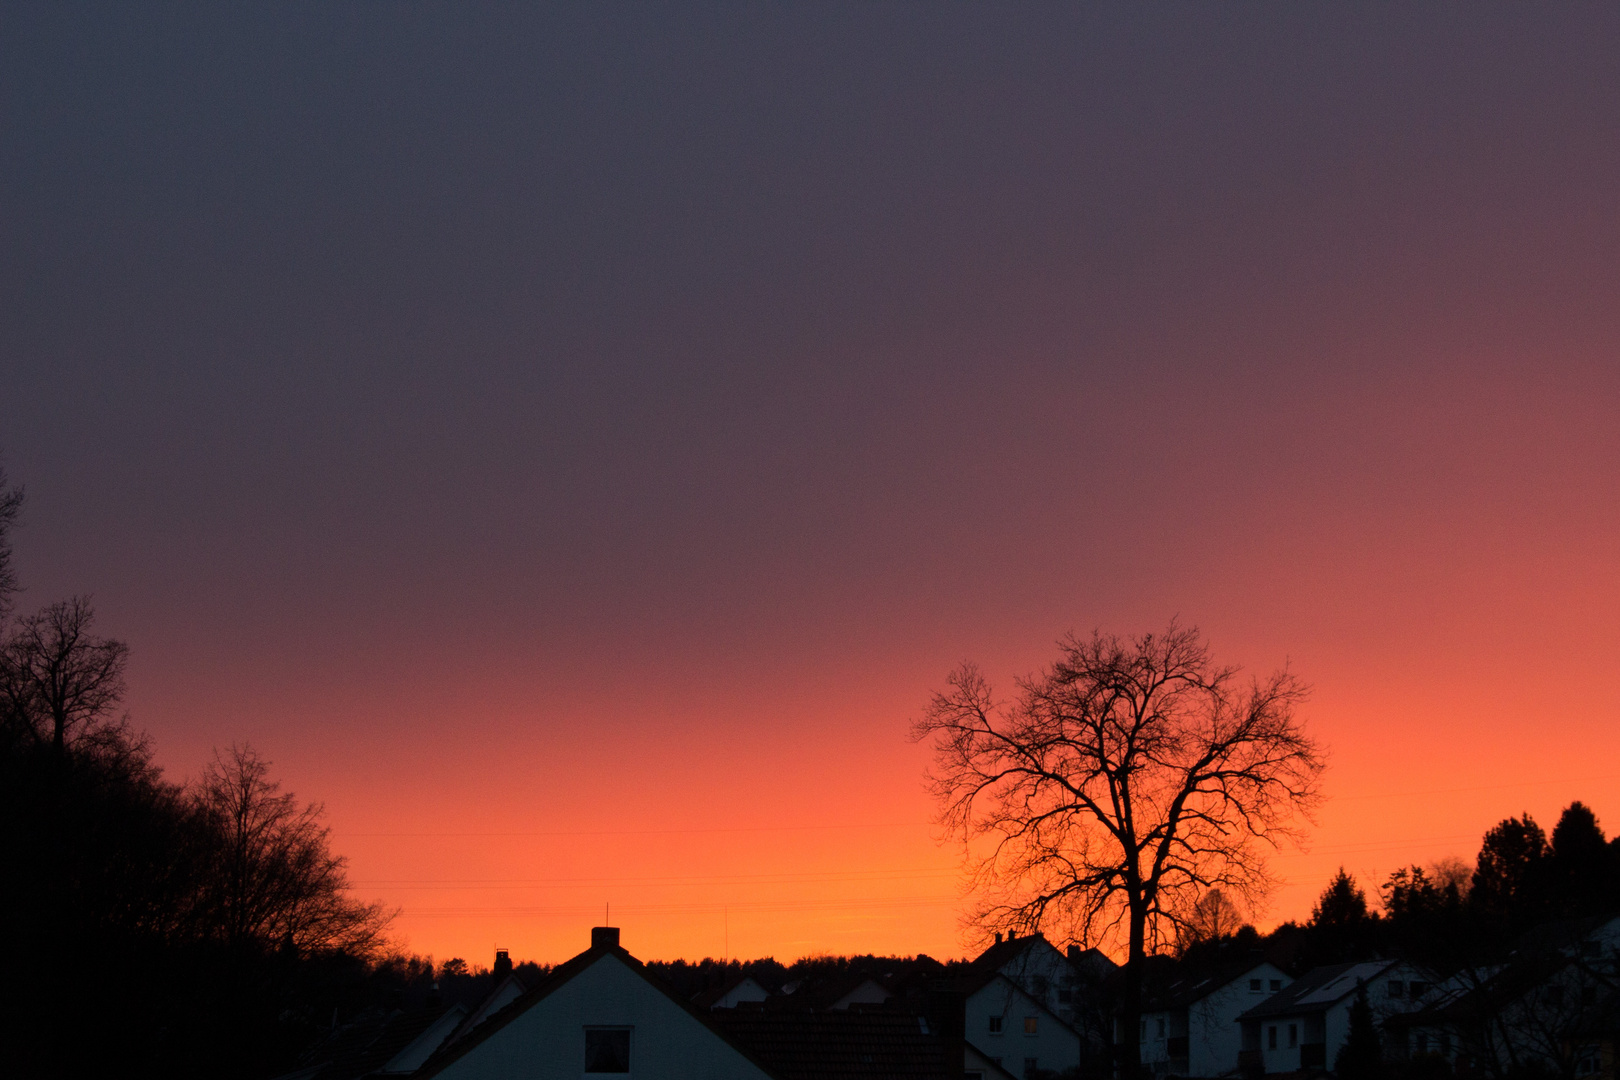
1305, 1025
1191, 1028
1014, 1030
598, 1014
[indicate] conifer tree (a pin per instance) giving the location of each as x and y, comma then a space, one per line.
1361, 1057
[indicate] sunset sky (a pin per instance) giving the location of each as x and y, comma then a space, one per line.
572, 443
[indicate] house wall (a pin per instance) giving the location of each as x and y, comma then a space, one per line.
1213, 1034
1045, 974
1330, 1024
1157, 1029
547, 1041
1054, 1045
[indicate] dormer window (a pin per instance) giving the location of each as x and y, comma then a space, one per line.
607, 1049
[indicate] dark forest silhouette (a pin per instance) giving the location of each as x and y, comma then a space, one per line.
216, 926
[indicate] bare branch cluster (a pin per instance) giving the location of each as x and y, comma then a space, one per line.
1130, 776
275, 878
1119, 788
58, 680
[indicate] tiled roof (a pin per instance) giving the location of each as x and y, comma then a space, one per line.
841, 1045
1185, 986
366, 1044
1318, 989
1005, 952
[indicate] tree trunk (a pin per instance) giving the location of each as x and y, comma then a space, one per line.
1129, 1050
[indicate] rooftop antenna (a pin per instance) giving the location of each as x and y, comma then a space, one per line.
607, 914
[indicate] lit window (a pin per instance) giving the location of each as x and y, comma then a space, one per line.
607, 1050
995, 1025
1271, 1037
1031, 1025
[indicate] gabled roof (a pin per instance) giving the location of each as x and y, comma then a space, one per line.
504, 993
710, 999
843, 1045
368, 1043
1561, 934
1187, 985
1318, 989
560, 976
1005, 952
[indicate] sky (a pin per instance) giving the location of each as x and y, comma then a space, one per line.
572, 442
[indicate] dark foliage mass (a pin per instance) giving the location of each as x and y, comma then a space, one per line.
149, 927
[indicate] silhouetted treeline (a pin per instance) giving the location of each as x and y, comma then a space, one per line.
814, 980
200, 930
1445, 916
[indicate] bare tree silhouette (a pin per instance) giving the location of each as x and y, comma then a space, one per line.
57, 679
275, 882
1116, 788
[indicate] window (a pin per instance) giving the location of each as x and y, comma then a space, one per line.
1445, 1043
1254, 986
1276, 985
1159, 1029
995, 1025
1396, 988
1030, 1065
1143, 1036
607, 1050
1031, 1025
1293, 1036
1416, 989
1422, 1043
1271, 1037
1065, 995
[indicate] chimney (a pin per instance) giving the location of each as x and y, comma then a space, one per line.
998, 937
604, 937
503, 964
1074, 954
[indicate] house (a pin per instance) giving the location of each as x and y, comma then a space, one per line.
742, 989
380, 1043
1040, 970
864, 992
1553, 1005
1189, 1022
507, 990
600, 1012
1305, 1025
1013, 1029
